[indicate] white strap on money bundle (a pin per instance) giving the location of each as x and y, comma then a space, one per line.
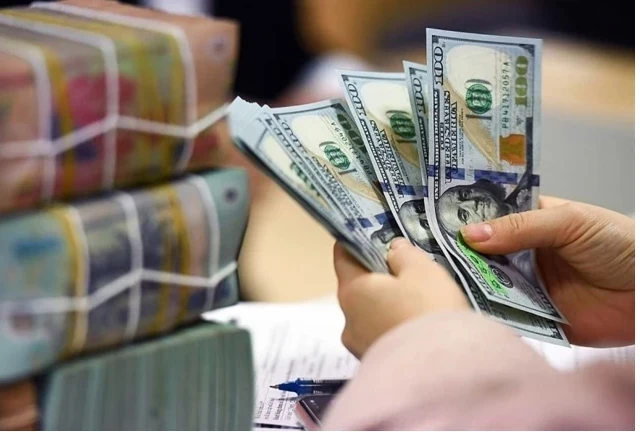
420, 154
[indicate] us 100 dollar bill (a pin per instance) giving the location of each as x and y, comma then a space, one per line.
251, 133
380, 102
484, 95
331, 187
524, 323
326, 136
385, 120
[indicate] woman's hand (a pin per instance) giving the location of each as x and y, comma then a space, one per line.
374, 303
586, 256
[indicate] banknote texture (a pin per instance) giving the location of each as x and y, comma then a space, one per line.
322, 134
328, 185
385, 120
524, 323
252, 134
198, 378
484, 95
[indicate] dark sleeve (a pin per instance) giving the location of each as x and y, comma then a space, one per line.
271, 52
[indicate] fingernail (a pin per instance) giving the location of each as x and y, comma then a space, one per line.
477, 233
398, 243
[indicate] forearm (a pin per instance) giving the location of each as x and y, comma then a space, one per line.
458, 370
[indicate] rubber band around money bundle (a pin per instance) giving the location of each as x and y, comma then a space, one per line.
113, 120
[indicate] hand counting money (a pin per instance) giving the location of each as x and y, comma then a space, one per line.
526, 323
484, 131
420, 154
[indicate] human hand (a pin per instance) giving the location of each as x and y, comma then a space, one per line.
586, 258
374, 303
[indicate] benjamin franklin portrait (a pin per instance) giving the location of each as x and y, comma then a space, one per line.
413, 217
481, 201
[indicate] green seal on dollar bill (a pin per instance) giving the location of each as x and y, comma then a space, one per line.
335, 155
478, 98
402, 124
498, 281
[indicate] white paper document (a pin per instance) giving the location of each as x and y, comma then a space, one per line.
567, 359
290, 341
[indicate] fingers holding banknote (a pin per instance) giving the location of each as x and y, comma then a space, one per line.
374, 303
586, 256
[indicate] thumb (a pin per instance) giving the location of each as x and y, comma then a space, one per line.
552, 227
409, 263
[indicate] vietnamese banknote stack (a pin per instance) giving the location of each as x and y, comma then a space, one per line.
114, 271
95, 95
115, 231
199, 378
420, 154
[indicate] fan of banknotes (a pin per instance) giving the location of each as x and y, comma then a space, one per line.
420, 154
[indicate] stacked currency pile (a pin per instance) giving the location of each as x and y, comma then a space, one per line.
420, 154
200, 378
97, 96
89, 276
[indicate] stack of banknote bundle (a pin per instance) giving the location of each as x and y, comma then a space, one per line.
420, 154
199, 378
127, 266
97, 96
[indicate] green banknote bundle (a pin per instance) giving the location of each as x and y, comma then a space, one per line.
420, 154
117, 268
199, 378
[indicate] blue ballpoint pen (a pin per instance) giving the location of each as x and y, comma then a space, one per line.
304, 386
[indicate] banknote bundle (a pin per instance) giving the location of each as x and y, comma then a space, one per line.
199, 378
96, 95
420, 154
118, 268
